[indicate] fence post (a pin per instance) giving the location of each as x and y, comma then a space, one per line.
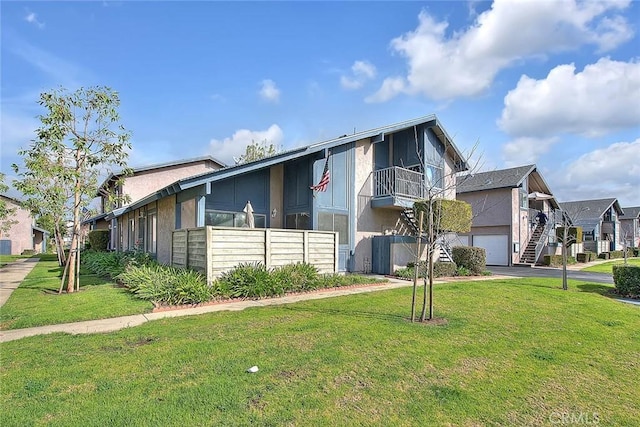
305, 247
336, 255
209, 253
267, 248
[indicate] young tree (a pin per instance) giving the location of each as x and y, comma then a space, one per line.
79, 134
256, 151
6, 213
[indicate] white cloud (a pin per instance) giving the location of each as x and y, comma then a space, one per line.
602, 98
234, 146
32, 18
465, 63
269, 91
613, 171
525, 150
361, 72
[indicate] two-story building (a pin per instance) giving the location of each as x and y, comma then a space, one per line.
140, 182
374, 176
22, 233
630, 226
600, 222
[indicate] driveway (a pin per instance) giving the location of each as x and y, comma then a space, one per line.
555, 273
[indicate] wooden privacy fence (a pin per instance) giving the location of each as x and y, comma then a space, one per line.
215, 250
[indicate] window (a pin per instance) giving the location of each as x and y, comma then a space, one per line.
152, 227
131, 234
232, 219
434, 160
141, 231
297, 221
524, 199
335, 222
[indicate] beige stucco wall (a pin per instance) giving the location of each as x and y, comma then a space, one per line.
276, 187
188, 214
166, 224
20, 233
449, 179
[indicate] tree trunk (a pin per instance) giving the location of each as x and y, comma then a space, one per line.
416, 267
423, 315
565, 237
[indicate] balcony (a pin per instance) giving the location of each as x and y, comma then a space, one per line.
397, 187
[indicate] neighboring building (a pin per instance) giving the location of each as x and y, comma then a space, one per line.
374, 176
600, 222
143, 181
23, 233
505, 204
630, 226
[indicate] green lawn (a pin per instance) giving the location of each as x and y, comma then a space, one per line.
513, 352
607, 267
6, 259
36, 302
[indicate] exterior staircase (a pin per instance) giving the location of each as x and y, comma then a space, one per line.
529, 254
409, 217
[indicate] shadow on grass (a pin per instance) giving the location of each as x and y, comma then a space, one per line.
604, 290
348, 312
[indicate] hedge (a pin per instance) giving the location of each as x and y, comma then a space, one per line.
586, 256
627, 279
444, 269
604, 255
616, 254
556, 260
448, 215
471, 258
99, 240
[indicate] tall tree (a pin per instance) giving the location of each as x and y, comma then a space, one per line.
79, 136
256, 151
6, 212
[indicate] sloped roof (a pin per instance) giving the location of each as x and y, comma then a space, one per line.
590, 209
376, 134
116, 174
491, 180
631, 213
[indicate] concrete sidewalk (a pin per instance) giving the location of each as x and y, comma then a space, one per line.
12, 274
117, 323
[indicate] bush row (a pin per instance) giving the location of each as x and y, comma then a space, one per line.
627, 280
440, 269
162, 284
586, 256
556, 260
471, 258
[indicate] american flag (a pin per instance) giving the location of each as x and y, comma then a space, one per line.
324, 180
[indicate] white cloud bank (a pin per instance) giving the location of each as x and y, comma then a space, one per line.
32, 18
613, 171
235, 145
269, 91
465, 63
604, 97
362, 71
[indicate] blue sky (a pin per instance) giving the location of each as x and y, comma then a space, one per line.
556, 83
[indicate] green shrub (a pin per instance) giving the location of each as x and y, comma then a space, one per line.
604, 255
592, 256
169, 285
556, 260
296, 277
28, 252
448, 215
582, 257
444, 269
574, 235
627, 279
250, 280
636, 251
463, 271
111, 264
405, 272
99, 240
616, 254
470, 257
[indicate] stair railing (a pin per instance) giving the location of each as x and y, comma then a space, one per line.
543, 240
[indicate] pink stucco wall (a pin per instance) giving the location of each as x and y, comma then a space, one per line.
21, 232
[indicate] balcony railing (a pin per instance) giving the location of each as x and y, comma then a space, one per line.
397, 181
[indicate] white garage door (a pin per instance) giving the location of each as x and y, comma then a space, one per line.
497, 247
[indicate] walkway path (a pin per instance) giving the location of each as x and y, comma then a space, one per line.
12, 274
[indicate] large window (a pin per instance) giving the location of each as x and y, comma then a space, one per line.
232, 219
142, 222
434, 160
131, 234
335, 222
